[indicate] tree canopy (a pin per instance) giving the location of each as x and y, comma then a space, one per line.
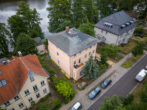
64, 88
91, 69
59, 11
25, 44
87, 28
138, 49
110, 50
4, 36
26, 21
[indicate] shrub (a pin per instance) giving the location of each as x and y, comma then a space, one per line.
42, 107
57, 104
64, 88
110, 50
128, 100
44, 98
139, 30
32, 103
138, 49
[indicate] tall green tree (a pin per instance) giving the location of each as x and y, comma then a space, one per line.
78, 13
25, 44
91, 69
104, 58
26, 21
62, 25
110, 50
138, 49
59, 10
110, 104
89, 10
87, 28
4, 36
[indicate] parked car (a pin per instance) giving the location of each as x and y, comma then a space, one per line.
138, 35
146, 67
94, 93
141, 75
76, 106
106, 83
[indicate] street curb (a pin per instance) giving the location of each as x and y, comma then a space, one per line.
137, 61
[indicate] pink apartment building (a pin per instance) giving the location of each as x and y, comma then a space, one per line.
70, 50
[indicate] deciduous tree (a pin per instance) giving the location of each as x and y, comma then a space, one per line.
4, 36
110, 50
65, 89
87, 28
104, 58
25, 44
59, 11
26, 21
78, 13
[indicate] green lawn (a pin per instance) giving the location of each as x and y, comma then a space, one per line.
137, 91
125, 49
127, 64
117, 58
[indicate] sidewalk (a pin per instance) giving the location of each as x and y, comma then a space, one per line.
115, 72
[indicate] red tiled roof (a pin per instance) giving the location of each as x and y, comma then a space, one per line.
16, 73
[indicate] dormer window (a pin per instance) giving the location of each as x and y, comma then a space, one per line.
123, 26
108, 24
2, 83
31, 76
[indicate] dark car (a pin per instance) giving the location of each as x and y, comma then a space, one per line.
138, 35
94, 93
106, 83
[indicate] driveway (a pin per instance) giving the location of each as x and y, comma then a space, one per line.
123, 86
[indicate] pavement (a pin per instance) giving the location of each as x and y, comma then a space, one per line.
123, 86
115, 73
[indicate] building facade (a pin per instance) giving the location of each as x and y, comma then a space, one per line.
22, 81
70, 50
115, 29
40, 46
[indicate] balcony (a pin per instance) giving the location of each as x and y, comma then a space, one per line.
77, 70
78, 66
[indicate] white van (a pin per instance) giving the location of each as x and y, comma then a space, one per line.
76, 106
141, 75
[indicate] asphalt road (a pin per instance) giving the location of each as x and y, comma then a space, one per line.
124, 86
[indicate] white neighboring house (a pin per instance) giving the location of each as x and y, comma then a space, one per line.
115, 29
40, 45
22, 80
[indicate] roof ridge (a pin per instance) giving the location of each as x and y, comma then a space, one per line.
24, 64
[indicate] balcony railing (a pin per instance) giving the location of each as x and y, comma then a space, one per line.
78, 66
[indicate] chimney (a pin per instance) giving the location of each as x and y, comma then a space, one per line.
66, 28
5, 62
19, 53
70, 31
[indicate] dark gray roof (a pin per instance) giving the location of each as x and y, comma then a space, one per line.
118, 20
39, 41
72, 43
3, 59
